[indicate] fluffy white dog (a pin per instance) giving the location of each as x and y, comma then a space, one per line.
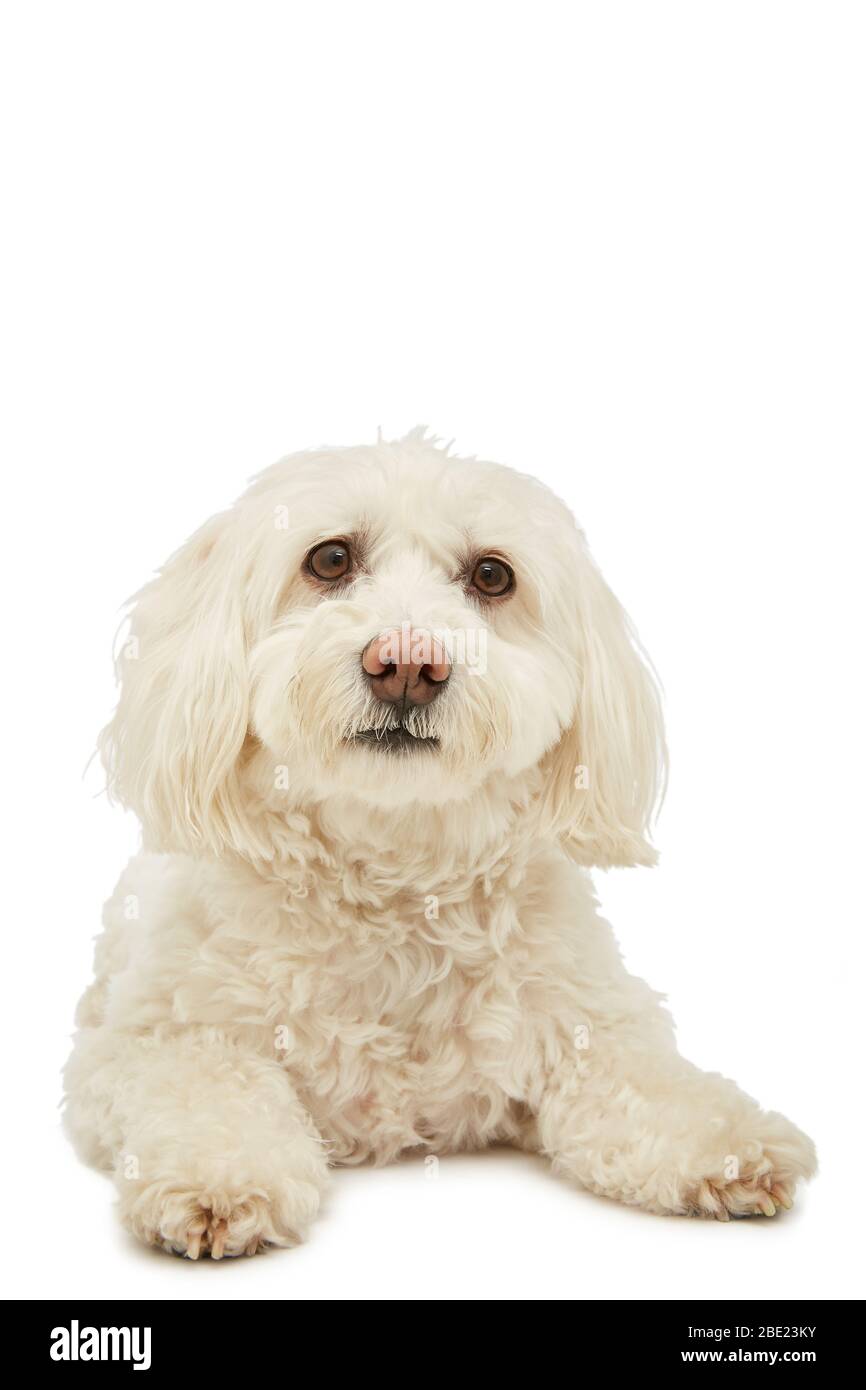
376, 720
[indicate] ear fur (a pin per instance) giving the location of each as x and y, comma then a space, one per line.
606, 776
171, 751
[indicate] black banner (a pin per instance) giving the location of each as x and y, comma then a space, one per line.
72, 1338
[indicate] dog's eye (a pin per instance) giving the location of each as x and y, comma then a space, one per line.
330, 561
492, 577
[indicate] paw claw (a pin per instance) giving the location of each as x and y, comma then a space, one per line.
744, 1197
218, 1240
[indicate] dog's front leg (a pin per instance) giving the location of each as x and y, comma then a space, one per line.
629, 1118
210, 1148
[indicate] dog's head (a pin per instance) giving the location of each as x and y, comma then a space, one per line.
387, 625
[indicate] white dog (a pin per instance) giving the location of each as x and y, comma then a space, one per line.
374, 720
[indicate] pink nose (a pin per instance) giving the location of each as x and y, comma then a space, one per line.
406, 663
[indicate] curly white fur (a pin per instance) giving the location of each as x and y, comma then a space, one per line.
327, 952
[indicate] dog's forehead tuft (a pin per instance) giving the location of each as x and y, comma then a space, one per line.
411, 487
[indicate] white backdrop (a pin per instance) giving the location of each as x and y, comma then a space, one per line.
616, 245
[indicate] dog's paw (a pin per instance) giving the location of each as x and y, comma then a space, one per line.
754, 1197
220, 1223
759, 1176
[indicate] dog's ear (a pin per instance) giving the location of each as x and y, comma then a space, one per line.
605, 777
171, 751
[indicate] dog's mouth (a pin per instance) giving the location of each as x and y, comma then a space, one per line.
395, 739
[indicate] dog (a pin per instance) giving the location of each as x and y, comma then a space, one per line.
378, 720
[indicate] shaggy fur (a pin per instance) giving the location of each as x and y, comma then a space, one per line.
328, 951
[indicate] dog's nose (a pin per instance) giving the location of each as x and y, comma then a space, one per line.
408, 664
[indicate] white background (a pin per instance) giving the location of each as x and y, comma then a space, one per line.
617, 245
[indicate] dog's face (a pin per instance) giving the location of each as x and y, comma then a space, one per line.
390, 625
420, 644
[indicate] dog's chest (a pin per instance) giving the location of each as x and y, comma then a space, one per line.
397, 1032
397, 1018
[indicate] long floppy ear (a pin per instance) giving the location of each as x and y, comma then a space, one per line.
171, 751
606, 776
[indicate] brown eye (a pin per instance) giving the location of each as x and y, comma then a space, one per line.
330, 561
492, 577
